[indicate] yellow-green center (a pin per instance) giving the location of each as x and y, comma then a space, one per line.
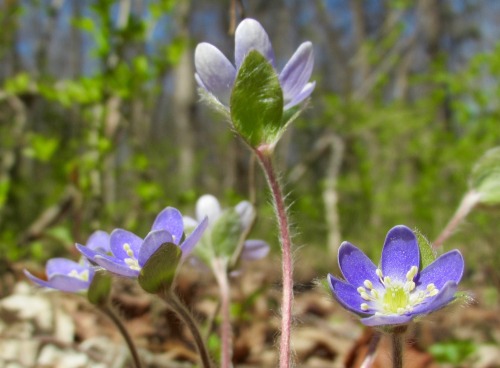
394, 296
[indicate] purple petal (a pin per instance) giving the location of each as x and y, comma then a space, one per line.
246, 211
346, 295
356, 266
445, 296
208, 206
382, 320
119, 238
61, 282
251, 36
447, 267
254, 249
297, 71
215, 71
151, 244
400, 253
62, 266
99, 240
87, 252
170, 219
305, 93
190, 242
116, 266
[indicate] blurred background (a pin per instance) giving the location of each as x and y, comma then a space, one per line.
101, 124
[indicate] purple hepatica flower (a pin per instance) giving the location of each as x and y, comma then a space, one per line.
129, 253
396, 292
207, 206
216, 74
66, 275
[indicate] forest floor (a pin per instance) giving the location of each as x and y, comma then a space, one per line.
43, 329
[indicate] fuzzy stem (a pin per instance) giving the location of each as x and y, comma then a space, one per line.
106, 309
469, 201
182, 312
372, 351
397, 349
264, 156
220, 272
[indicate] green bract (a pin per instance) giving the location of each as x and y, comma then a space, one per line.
257, 101
99, 288
158, 274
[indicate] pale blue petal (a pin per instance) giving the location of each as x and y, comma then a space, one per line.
62, 266
99, 240
251, 36
151, 244
254, 249
188, 245
61, 282
305, 93
384, 320
119, 238
297, 71
215, 71
116, 266
444, 297
170, 219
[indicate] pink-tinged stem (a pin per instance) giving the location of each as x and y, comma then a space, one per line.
264, 156
220, 271
470, 200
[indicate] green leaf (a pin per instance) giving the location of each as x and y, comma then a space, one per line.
158, 273
99, 288
454, 352
485, 177
427, 253
257, 101
226, 233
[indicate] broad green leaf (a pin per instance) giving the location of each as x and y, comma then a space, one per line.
485, 177
225, 234
427, 254
257, 101
99, 288
158, 273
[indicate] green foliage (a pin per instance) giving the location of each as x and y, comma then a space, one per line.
257, 89
100, 288
41, 148
427, 253
453, 352
225, 234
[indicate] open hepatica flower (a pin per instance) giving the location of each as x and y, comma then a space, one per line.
129, 253
395, 292
70, 276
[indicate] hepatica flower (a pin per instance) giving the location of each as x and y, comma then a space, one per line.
259, 100
228, 224
70, 276
216, 74
129, 253
396, 291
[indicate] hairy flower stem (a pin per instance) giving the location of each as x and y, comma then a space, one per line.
220, 272
182, 312
264, 154
107, 310
469, 201
372, 351
397, 337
